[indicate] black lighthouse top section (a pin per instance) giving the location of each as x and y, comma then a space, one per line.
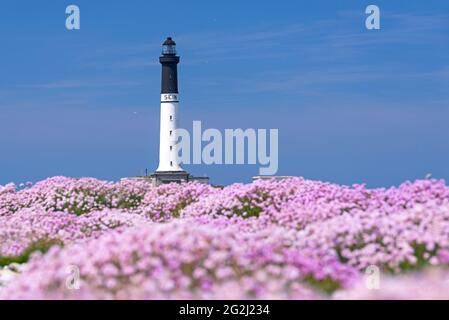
169, 61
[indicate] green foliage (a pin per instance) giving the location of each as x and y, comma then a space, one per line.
131, 202
327, 285
422, 255
42, 245
176, 213
102, 200
248, 210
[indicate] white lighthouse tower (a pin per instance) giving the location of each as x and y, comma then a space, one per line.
168, 159
169, 169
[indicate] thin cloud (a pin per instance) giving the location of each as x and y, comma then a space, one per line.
311, 41
292, 81
72, 84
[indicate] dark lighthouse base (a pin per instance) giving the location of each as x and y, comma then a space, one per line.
176, 177
165, 177
170, 176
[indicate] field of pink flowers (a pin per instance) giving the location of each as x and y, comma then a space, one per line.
272, 239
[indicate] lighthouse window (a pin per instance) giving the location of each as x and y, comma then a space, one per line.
171, 117
171, 148
171, 132
171, 163
169, 49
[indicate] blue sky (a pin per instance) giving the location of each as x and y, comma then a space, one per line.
351, 105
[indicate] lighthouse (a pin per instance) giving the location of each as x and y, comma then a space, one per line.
168, 152
169, 169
